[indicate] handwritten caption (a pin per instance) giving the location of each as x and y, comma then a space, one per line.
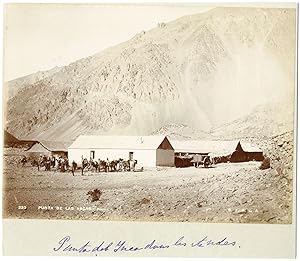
65, 245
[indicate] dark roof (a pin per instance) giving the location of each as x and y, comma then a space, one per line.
9, 138
54, 145
214, 147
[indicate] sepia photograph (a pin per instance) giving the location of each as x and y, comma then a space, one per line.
149, 113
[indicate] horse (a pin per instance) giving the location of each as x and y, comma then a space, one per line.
47, 164
61, 165
34, 163
74, 167
103, 165
206, 162
85, 164
41, 162
125, 165
113, 165
23, 161
93, 164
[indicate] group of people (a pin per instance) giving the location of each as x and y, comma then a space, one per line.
62, 164
51, 162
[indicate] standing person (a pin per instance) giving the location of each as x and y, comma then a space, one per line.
62, 165
118, 165
121, 167
99, 165
59, 163
107, 165
48, 164
53, 161
40, 161
131, 164
67, 163
82, 165
45, 159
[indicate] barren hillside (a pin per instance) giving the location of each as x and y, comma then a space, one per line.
200, 71
264, 121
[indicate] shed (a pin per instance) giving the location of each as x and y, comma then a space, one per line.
13, 142
204, 147
222, 151
48, 148
149, 151
252, 152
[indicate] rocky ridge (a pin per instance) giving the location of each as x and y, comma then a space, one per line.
186, 72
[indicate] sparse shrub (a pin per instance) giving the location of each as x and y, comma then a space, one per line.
143, 201
266, 163
94, 195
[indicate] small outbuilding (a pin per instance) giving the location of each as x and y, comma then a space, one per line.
48, 148
252, 152
149, 151
219, 150
10, 141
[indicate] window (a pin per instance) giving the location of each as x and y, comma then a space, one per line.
92, 154
130, 155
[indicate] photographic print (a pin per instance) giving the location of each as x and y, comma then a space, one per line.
149, 113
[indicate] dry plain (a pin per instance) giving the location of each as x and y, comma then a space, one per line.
228, 192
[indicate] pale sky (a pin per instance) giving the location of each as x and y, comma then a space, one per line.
38, 37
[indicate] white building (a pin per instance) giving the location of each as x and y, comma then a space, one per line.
149, 151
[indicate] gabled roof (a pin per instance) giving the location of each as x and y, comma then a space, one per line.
248, 147
9, 138
204, 146
215, 147
117, 142
53, 145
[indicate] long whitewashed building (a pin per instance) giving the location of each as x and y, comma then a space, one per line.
149, 151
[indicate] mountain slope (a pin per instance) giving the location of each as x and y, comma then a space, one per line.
200, 71
264, 122
14, 86
181, 132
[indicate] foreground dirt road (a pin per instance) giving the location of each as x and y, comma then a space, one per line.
230, 192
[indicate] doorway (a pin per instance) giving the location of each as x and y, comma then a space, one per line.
130, 155
92, 154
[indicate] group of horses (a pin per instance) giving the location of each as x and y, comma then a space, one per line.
104, 165
49, 163
62, 164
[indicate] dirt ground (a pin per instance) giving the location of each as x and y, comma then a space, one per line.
229, 192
